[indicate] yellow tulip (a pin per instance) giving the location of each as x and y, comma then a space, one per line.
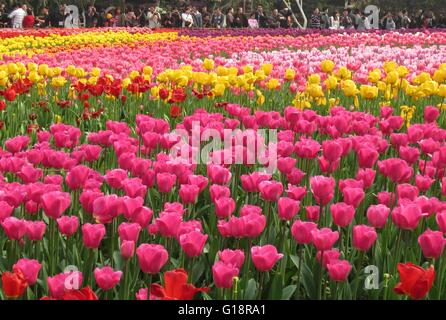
327, 66
290, 74
208, 64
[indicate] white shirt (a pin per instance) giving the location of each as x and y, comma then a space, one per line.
187, 17
17, 18
154, 20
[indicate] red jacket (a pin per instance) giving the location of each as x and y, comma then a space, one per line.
28, 22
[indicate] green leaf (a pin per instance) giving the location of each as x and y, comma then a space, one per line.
251, 290
308, 282
295, 260
117, 258
197, 271
288, 291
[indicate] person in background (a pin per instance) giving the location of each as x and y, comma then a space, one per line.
17, 16
230, 18
261, 17
3, 16
206, 17
43, 20
198, 18
253, 22
141, 16
118, 19
154, 18
335, 21
167, 20
240, 20
363, 22
357, 19
130, 17
428, 19
388, 22
405, 20
186, 17
277, 19
28, 20
346, 20
325, 19
91, 17
218, 19
315, 21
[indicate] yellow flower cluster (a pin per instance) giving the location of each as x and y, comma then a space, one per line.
30, 45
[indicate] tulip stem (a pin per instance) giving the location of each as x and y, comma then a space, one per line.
299, 272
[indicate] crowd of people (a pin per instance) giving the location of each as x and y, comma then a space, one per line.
22, 16
360, 20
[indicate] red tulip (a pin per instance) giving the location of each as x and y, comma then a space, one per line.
175, 287
414, 280
14, 284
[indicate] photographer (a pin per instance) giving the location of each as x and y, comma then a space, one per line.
91, 17
154, 18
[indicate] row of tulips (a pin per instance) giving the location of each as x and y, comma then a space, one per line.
307, 230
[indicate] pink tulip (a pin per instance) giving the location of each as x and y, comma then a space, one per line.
224, 207
224, 274
193, 243
342, 214
30, 269
440, 218
106, 278
265, 257
77, 177
324, 239
367, 176
218, 174
313, 212
407, 191
55, 203
322, 189
250, 226
331, 150
68, 225
286, 165
232, 257
423, 183
377, 215
14, 228
5, 210
407, 217
151, 257
248, 209
431, 114
217, 191
168, 223
165, 182
62, 282
296, 193
363, 237
367, 157
338, 270
353, 196
92, 235
301, 231
288, 208
35, 230
270, 190
115, 177
127, 249
328, 256
432, 243
129, 231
